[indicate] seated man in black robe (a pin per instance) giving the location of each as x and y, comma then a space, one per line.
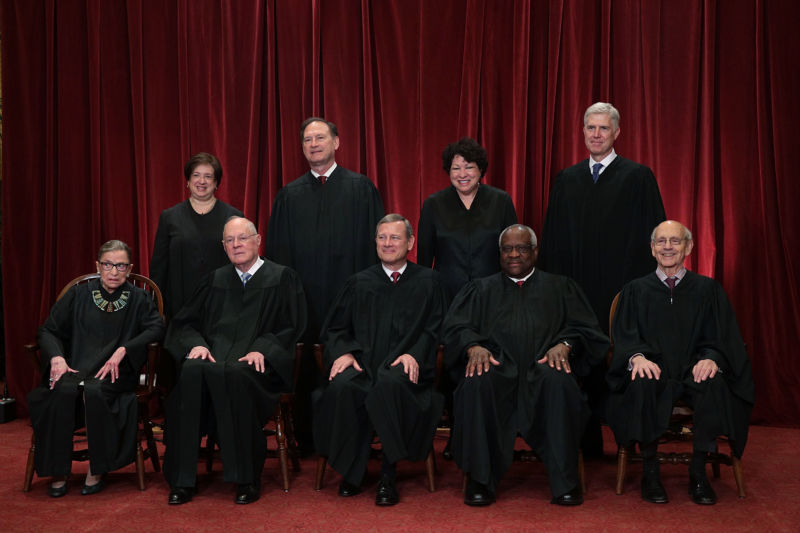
676, 338
235, 339
517, 339
380, 353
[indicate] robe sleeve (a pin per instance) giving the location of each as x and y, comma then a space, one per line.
337, 332
646, 213
590, 344
150, 327
509, 213
552, 258
461, 328
184, 333
426, 235
56, 331
159, 262
279, 239
425, 347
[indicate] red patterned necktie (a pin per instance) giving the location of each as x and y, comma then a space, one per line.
395, 276
322, 179
521, 282
671, 281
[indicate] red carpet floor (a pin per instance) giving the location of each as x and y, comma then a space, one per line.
771, 469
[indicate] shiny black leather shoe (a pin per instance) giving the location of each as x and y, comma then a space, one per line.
180, 495
387, 492
57, 492
247, 493
88, 490
701, 491
477, 494
573, 497
652, 489
346, 489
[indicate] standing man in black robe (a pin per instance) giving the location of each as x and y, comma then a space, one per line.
676, 338
596, 231
234, 341
321, 225
380, 352
517, 339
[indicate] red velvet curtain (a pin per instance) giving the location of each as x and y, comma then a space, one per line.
106, 99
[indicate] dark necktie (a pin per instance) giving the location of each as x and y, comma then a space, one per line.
521, 282
395, 276
671, 281
322, 179
596, 171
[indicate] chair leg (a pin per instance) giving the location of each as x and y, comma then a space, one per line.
736, 463
140, 465
280, 436
321, 463
291, 442
26, 486
430, 466
715, 462
152, 451
581, 473
622, 466
209, 453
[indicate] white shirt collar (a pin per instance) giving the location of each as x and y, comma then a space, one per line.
253, 269
605, 161
327, 172
515, 280
389, 272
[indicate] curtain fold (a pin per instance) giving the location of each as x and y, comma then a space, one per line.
104, 100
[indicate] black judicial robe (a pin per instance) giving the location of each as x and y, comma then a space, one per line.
87, 337
462, 243
518, 325
599, 233
696, 323
326, 233
187, 247
267, 315
377, 321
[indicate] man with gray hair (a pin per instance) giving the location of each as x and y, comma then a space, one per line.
596, 231
380, 340
676, 338
514, 342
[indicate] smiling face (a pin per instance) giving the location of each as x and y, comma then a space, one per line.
112, 279
393, 244
599, 135
241, 243
202, 183
319, 146
517, 253
670, 246
464, 175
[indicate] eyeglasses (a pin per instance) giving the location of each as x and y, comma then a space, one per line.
674, 241
121, 267
522, 249
228, 241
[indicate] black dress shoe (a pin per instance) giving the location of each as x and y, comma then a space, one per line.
87, 490
57, 492
180, 495
700, 490
652, 489
247, 493
477, 494
573, 497
346, 489
387, 493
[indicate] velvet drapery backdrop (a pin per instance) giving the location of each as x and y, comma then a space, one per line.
106, 99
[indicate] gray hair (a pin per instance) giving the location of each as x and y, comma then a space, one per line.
394, 217
534, 242
250, 226
113, 246
603, 108
687, 235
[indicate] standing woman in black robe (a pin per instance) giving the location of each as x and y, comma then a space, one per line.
187, 245
459, 226
93, 347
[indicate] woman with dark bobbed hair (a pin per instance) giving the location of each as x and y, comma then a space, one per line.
93, 347
188, 241
459, 226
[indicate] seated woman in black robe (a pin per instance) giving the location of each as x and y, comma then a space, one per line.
93, 347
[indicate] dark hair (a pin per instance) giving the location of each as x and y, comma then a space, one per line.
309, 120
470, 150
203, 158
113, 246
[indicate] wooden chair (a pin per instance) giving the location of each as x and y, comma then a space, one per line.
679, 430
284, 429
145, 392
430, 461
